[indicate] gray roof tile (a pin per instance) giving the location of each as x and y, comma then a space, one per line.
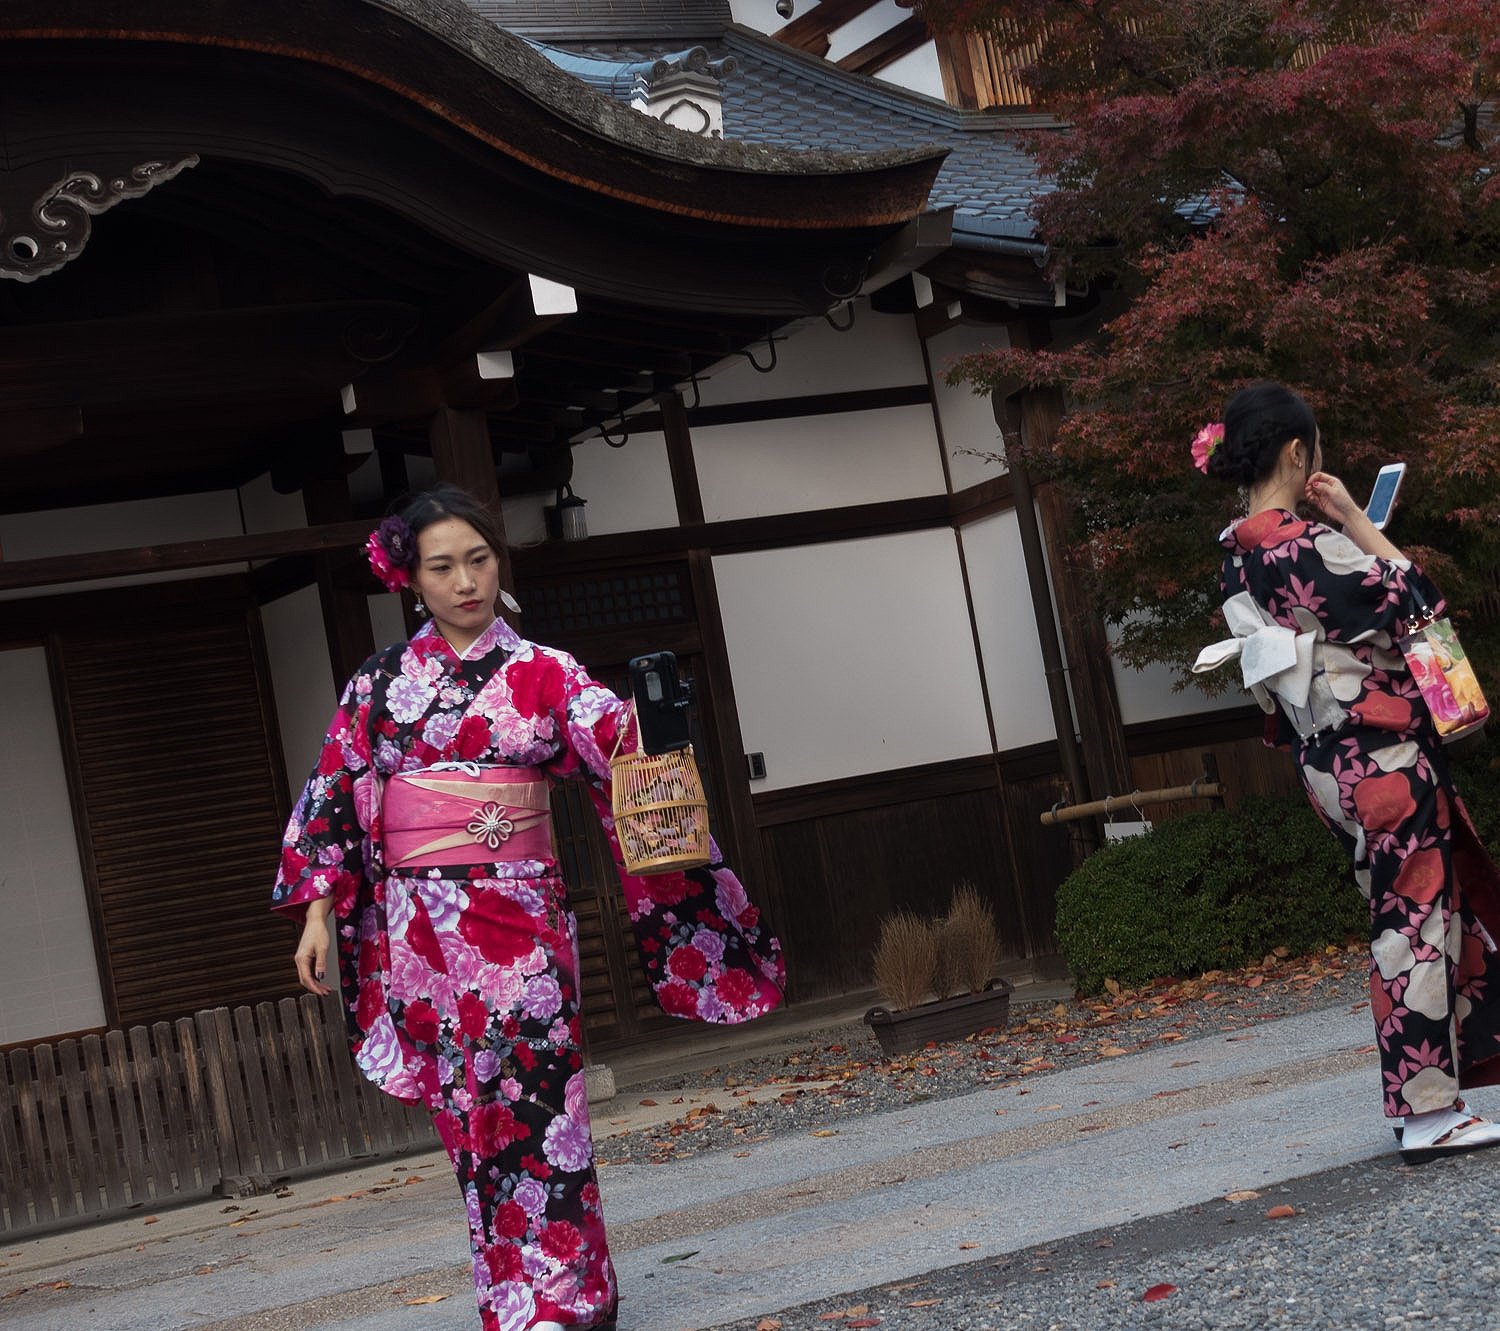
784, 98
590, 20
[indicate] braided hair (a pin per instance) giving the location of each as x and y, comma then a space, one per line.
1258, 423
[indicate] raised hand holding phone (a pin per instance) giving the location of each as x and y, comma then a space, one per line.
662, 698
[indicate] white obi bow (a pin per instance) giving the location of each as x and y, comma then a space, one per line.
1273, 658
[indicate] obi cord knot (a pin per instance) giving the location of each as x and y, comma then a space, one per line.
392, 552
490, 826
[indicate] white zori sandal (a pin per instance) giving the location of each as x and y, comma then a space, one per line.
1445, 1132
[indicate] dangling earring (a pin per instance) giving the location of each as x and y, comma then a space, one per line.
420, 608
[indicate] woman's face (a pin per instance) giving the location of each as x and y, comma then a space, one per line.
458, 577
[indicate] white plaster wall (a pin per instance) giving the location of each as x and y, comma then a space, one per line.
49, 979
880, 351
265, 510
524, 523
387, 619
761, 14
1007, 632
300, 678
968, 419
852, 657
72, 531
811, 462
918, 71
1147, 695
627, 489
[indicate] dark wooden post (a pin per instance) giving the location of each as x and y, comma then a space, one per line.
679, 440
742, 835
1086, 645
463, 455
346, 611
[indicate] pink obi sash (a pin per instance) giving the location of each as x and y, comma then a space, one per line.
462, 813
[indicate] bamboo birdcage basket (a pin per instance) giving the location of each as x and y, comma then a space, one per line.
660, 811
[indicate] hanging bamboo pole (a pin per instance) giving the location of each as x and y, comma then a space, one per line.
1198, 790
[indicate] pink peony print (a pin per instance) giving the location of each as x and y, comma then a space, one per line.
567, 1145
531, 1197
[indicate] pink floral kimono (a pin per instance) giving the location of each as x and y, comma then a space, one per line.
1376, 774
461, 981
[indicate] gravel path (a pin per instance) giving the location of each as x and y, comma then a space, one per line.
851, 1076
1374, 1245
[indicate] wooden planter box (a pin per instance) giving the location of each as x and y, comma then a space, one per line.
941, 1020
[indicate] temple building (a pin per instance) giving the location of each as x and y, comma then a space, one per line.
673, 285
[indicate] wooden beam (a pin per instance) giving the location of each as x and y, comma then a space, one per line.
787, 408
911, 34
812, 31
680, 459
177, 555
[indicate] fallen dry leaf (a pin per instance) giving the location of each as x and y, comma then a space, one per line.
1281, 1212
924, 1303
1242, 1195
1105, 1284
151, 1220
864, 1321
426, 1298
768, 1324
1158, 1292
964, 1247
825, 1132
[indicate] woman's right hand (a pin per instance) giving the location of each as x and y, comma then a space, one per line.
1328, 493
311, 955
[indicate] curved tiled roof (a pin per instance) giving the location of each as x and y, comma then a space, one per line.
779, 97
784, 98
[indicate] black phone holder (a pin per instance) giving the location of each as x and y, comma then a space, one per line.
662, 699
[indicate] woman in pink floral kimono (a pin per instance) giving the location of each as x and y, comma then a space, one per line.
425, 832
1317, 614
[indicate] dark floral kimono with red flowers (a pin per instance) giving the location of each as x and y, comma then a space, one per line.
462, 986
1376, 773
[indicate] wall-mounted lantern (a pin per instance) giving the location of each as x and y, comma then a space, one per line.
565, 520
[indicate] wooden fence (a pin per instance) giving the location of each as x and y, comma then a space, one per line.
222, 1102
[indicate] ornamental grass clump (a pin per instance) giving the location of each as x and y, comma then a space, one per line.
968, 942
906, 959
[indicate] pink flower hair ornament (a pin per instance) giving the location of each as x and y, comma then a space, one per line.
392, 552
1205, 442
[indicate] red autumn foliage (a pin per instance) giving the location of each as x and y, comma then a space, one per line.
1303, 190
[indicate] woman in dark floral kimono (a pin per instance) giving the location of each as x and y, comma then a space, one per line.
425, 831
1317, 614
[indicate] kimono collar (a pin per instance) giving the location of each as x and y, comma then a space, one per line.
1270, 527
499, 634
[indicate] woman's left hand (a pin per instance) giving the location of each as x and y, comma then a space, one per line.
1327, 492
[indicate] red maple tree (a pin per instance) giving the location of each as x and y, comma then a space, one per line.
1304, 191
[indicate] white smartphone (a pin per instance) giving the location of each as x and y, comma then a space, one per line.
1383, 497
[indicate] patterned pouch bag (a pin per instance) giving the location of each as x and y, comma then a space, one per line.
1445, 676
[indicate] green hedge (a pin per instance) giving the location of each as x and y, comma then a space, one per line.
1207, 891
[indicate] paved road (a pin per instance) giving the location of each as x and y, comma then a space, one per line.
766, 1229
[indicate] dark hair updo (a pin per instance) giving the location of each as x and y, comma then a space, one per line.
1258, 423
419, 511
